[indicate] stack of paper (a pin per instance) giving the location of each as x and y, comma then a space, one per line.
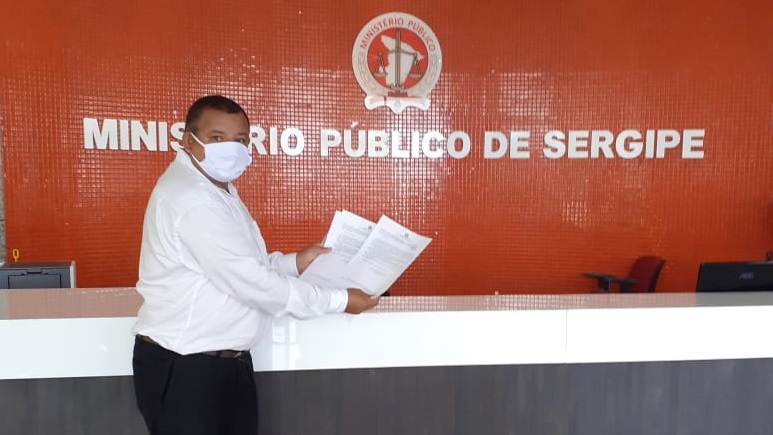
365, 255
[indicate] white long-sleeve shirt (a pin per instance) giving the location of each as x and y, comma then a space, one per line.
206, 278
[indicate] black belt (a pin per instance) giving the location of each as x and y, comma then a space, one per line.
216, 353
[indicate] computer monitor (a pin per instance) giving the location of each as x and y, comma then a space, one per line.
738, 276
59, 274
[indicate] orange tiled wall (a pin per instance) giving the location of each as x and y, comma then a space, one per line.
508, 225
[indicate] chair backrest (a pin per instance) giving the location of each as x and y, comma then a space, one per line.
645, 271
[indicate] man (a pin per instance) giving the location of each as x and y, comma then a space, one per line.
210, 288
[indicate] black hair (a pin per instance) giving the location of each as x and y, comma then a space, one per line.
216, 102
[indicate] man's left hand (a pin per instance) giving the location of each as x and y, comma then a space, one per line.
306, 255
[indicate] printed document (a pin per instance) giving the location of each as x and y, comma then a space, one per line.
365, 255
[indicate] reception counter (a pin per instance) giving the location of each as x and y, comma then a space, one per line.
538, 364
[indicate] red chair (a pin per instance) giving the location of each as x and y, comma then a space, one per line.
642, 278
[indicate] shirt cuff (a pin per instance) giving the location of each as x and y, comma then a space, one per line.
338, 300
287, 265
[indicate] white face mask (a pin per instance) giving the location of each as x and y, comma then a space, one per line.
224, 161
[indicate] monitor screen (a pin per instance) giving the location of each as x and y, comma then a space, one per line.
739, 276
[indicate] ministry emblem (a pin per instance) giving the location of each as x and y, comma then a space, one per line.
397, 60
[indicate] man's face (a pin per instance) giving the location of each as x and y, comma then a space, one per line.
217, 126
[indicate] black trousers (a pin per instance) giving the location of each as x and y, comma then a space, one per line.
194, 394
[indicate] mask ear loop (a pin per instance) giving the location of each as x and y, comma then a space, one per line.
196, 138
187, 151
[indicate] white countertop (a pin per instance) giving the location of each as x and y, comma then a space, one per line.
86, 332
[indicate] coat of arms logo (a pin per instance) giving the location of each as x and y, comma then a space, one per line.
397, 61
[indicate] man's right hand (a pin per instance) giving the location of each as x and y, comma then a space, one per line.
360, 301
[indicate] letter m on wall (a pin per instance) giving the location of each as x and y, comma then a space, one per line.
100, 138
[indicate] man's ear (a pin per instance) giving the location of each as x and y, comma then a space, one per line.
186, 142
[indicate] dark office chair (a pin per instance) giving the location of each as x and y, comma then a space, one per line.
642, 278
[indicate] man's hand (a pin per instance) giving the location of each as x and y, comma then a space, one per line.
360, 301
306, 255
